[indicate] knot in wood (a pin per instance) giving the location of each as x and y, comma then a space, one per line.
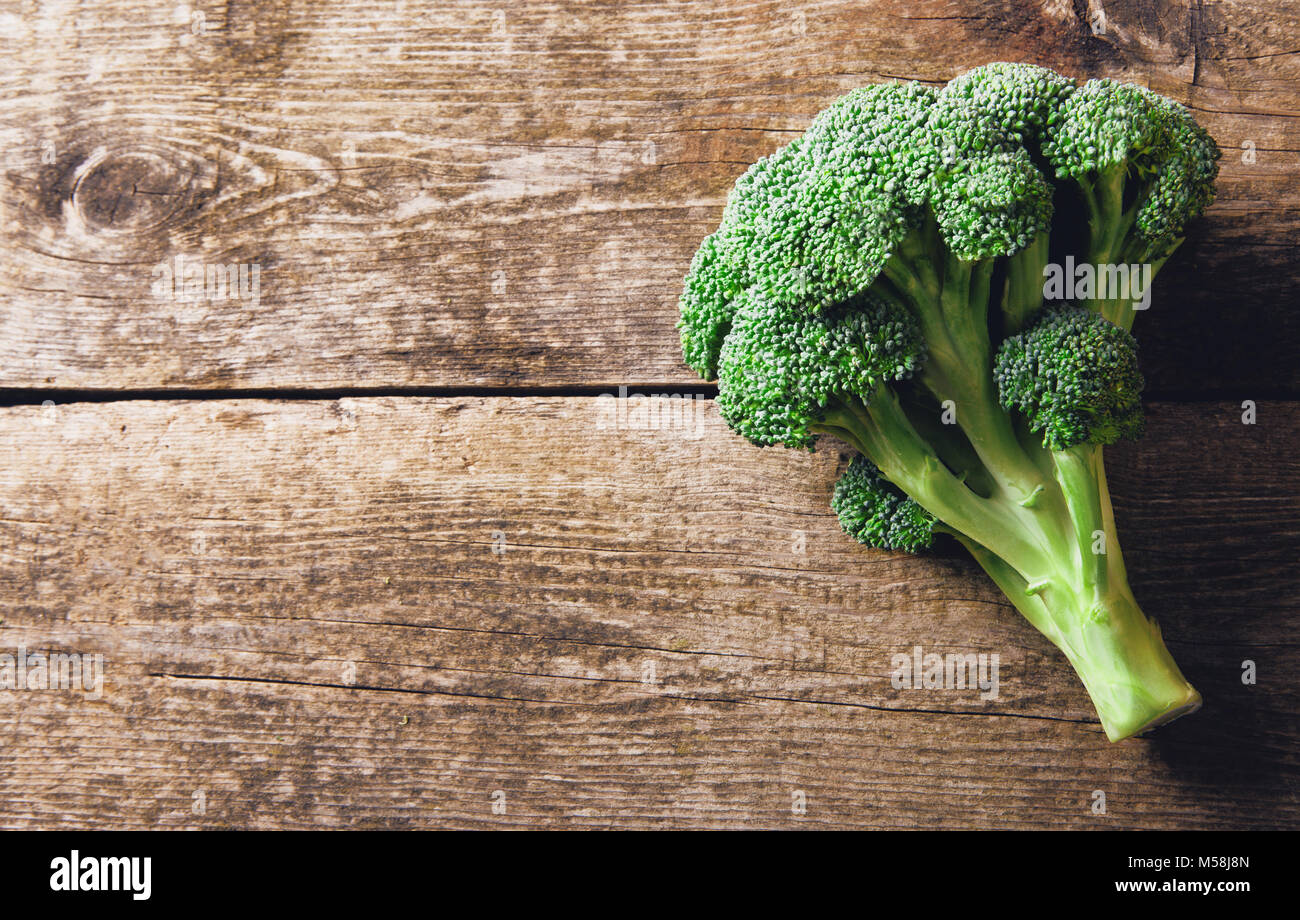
132, 190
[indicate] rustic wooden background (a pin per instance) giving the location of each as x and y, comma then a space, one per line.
367, 552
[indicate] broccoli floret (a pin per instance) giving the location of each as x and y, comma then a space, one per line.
813, 223
875, 512
1142, 167
988, 195
880, 280
1074, 376
1014, 103
782, 370
706, 307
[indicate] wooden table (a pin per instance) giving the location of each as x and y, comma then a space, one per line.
363, 547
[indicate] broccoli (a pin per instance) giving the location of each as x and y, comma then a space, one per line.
880, 279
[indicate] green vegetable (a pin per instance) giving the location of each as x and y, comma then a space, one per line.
883, 275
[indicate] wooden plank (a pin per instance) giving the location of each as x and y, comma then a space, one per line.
459, 194
381, 612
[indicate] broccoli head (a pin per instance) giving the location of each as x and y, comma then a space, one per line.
880, 279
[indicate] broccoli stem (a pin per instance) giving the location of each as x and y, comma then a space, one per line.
883, 433
1114, 648
1056, 557
1119, 310
1081, 601
1122, 660
1077, 473
948, 441
1041, 524
952, 312
1109, 226
1113, 238
1022, 294
1108, 222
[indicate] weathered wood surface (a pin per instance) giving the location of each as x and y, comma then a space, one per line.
469, 194
381, 612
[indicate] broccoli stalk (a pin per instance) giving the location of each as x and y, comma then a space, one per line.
884, 272
1093, 618
1045, 530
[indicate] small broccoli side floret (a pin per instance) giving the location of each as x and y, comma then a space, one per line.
1074, 375
880, 280
875, 512
1184, 186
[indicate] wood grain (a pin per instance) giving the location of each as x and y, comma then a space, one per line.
384, 612
468, 194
